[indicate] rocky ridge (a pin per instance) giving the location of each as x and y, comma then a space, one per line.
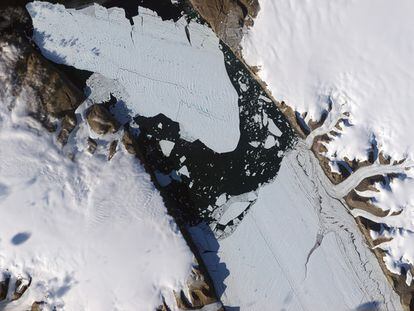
228, 18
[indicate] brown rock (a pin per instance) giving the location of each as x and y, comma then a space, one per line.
252, 6
112, 149
383, 159
201, 293
68, 124
100, 120
163, 307
38, 306
356, 201
55, 95
92, 145
405, 292
129, 143
228, 17
4, 286
52, 95
20, 287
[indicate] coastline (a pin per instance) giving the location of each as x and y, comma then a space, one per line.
351, 200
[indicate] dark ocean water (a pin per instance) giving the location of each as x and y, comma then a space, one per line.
192, 199
211, 174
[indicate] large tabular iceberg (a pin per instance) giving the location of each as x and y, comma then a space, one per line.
159, 68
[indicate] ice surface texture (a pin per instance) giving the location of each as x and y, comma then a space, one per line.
159, 69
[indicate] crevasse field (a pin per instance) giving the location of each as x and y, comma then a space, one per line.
358, 55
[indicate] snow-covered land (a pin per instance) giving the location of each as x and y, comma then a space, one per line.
357, 55
156, 66
91, 234
310, 51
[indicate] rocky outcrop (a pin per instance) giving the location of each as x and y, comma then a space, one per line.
100, 120
112, 149
130, 143
228, 17
12, 288
4, 286
38, 306
199, 294
67, 126
20, 287
406, 292
92, 145
56, 95
49, 95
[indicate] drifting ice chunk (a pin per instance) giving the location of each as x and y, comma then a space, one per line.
184, 171
274, 129
270, 142
166, 147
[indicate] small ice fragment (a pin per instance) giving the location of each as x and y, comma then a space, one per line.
264, 98
270, 142
274, 129
184, 171
254, 144
166, 147
221, 199
409, 278
265, 118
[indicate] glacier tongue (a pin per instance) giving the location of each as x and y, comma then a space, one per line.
297, 249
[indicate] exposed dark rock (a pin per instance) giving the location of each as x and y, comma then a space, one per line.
101, 120
112, 149
129, 142
200, 293
228, 17
20, 288
54, 95
163, 307
38, 306
14, 19
50, 95
67, 126
4, 286
92, 145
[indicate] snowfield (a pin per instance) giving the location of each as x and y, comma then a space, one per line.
157, 67
92, 234
357, 56
309, 51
